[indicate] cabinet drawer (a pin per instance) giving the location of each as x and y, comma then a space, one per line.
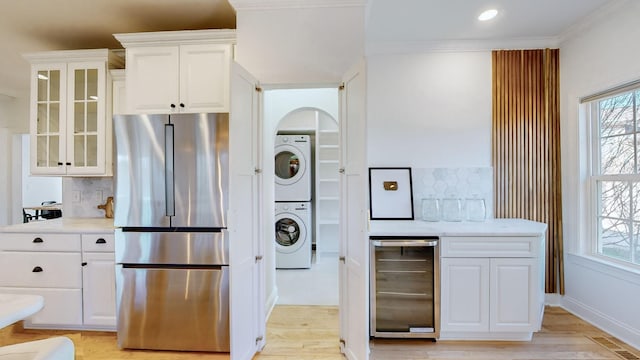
98, 242
39, 242
490, 246
61, 306
38, 269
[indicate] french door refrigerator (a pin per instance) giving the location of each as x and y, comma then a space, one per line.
172, 278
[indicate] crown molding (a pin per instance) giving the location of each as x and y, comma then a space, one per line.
293, 4
111, 57
159, 38
407, 47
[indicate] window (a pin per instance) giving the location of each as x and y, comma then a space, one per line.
616, 174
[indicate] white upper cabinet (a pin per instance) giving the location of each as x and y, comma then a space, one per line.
178, 71
69, 107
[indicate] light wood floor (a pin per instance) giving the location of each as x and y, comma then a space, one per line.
311, 332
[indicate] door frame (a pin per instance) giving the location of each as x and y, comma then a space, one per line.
361, 351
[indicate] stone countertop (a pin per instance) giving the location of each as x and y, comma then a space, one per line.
489, 227
63, 225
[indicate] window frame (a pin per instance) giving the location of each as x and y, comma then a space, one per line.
596, 178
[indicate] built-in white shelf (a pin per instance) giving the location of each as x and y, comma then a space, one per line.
327, 205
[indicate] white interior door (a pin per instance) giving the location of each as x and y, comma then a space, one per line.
246, 285
354, 283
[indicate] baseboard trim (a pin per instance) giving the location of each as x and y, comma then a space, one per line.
271, 302
553, 299
604, 322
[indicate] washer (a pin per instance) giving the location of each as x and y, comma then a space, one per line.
293, 168
293, 235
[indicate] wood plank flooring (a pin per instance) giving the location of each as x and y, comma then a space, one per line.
311, 332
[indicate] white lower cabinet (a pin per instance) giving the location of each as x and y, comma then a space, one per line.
514, 295
98, 281
98, 289
487, 292
62, 307
78, 286
464, 294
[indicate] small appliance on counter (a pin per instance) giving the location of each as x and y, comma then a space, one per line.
172, 259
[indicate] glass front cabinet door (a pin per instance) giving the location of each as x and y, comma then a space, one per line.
69, 131
48, 112
85, 134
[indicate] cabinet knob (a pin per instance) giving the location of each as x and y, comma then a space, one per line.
173, 106
37, 269
181, 105
69, 163
38, 240
60, 164
101, 241
84, 264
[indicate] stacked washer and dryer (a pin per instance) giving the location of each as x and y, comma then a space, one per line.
293, 220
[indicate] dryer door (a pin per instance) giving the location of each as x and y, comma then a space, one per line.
290, 164
290, 232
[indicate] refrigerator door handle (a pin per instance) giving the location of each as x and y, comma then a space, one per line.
168, 173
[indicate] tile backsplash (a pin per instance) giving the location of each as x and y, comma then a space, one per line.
81, 196
460, 183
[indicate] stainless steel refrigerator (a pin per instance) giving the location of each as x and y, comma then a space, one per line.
172, 277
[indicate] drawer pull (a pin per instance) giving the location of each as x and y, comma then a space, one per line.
101, 241
38, 240
37, 269
84, 264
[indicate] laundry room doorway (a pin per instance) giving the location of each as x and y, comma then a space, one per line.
305, 152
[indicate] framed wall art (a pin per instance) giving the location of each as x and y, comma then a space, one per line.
390, 193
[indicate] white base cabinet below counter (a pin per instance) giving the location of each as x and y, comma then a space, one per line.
74, 272
98, 281
492, 288
62, 307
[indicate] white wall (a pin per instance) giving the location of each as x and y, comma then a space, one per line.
6, 197
13, 119
599, 55
36, 189
429, 110
299, 45
14, 113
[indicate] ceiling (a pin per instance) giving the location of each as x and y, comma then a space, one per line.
40, 25
447, 20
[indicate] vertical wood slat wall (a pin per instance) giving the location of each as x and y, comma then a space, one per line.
526, 146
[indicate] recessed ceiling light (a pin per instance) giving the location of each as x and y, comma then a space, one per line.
488, 15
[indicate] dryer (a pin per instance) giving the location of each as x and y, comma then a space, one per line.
293, 168
293, 235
